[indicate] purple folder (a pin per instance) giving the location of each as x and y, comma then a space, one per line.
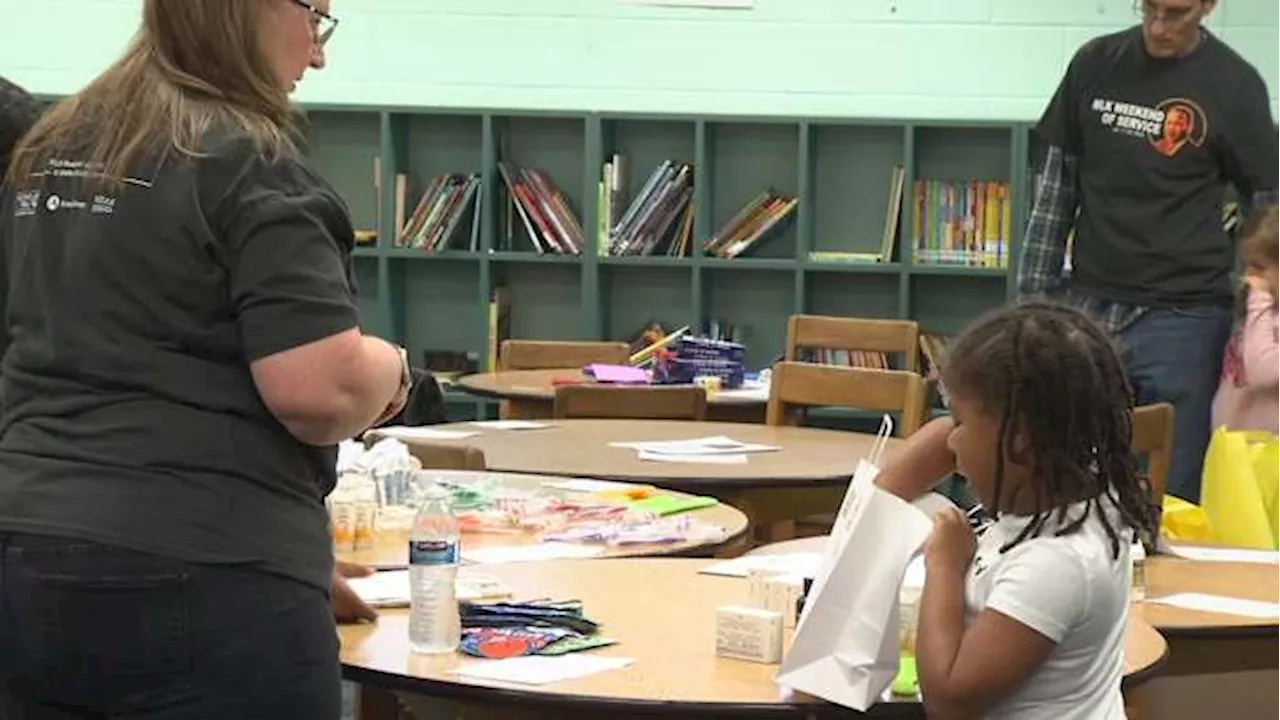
621, 374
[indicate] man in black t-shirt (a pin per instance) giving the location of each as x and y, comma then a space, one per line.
1142, 135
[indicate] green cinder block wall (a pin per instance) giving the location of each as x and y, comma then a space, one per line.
940, 59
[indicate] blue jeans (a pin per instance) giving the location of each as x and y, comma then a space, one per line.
92, 631
1174, 355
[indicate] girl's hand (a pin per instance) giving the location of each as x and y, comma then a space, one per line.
951, 545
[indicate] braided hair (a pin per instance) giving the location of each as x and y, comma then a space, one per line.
1052, 374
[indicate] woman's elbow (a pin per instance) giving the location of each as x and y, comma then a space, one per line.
316, 391
317, 427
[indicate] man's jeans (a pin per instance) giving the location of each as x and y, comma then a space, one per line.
1174, 355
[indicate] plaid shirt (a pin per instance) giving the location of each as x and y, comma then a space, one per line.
1044, 249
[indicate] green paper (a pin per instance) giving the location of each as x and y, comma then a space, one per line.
672, 504
574, 643
907, 683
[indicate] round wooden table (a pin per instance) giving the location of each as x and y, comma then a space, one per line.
392, 548
807, 457
807, 475
530, 394
662, 612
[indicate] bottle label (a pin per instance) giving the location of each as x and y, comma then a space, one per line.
433, 552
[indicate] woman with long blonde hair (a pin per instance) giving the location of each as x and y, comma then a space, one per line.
181, 354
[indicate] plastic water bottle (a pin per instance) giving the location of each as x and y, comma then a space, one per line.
1138, 568
434, 626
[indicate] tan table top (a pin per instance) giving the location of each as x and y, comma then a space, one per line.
1166, 575
540, 385
392, 549
676, 667
808, 457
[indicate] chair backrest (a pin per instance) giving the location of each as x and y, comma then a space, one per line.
441, 456
805, 332
1152, 437
796, 385
556, 354
646, 402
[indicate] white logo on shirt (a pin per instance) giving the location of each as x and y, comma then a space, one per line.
26, 203
103, 205
53, 203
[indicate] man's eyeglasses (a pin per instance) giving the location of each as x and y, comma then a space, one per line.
1148, 10
324, 23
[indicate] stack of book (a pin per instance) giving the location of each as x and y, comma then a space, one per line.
451, 202
755, 221
542, 210
962, 223
659, 220
694, 357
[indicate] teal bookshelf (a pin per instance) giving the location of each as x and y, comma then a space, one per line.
839, 170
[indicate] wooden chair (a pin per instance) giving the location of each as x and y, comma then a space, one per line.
795, 386
634, 403
556, 354
439, 456
823, 332
1152, 438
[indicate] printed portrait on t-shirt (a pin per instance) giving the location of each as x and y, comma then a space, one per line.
1182, 124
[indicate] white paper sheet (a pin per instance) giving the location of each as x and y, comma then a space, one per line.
510, 424
803, 564
529, 553
1220, 604
734, 459
404, 433
541, 670
587, 485
1216, 554
715, 445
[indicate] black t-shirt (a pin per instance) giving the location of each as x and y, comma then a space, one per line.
129, 415
1157, 139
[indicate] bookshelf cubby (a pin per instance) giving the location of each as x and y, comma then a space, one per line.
546, 299
748, 158
345, 147
633, 296
852, 168
870, 295
553, 145
754, 303
839, 170
457, 320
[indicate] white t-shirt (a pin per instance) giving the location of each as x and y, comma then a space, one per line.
1070, 590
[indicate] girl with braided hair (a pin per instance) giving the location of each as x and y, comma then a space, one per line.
1027, 620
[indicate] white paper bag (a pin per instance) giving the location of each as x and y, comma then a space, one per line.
845, 648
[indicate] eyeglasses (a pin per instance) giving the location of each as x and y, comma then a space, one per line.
324, 23
1148, 10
